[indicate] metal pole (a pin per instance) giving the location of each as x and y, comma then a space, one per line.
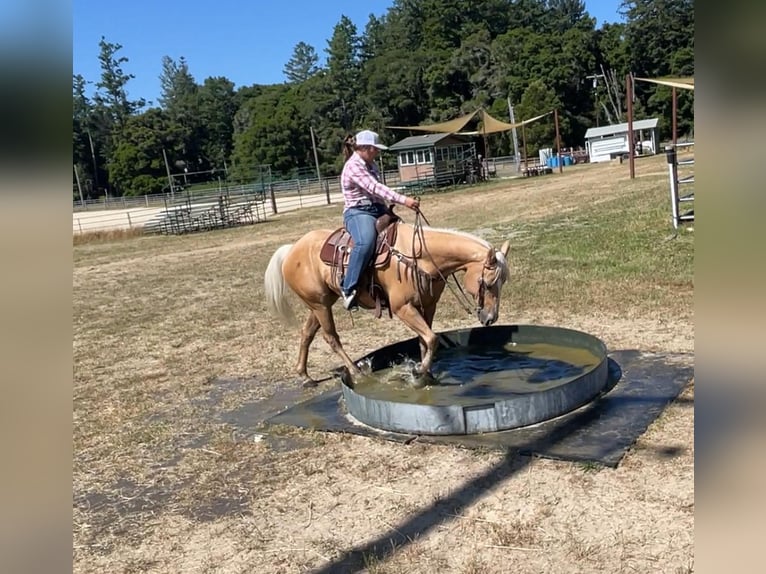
631, 152
670, 152
675, 117
170, 178
558, 139
514, 136
524, 144
79, 187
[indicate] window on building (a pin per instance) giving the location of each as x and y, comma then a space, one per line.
423, 156
407, 158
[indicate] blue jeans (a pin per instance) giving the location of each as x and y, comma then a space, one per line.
360, 223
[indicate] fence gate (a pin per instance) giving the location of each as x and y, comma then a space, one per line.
681, 172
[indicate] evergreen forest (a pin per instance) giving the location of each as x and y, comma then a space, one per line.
423, 61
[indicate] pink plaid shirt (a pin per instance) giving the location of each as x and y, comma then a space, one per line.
361, 186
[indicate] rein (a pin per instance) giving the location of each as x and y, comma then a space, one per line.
462, 297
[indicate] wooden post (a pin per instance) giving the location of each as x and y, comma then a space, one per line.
631, 147
558, 139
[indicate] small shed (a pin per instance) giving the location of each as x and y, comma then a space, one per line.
607, 142
438, 158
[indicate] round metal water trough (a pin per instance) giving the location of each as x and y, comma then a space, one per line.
487, 379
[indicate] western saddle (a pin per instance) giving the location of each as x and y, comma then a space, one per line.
337, 248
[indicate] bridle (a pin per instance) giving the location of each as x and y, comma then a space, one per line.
470, 306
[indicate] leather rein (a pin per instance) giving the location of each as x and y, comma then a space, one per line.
420, 276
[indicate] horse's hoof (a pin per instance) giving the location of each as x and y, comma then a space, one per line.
418, 382
309, 383
422, 379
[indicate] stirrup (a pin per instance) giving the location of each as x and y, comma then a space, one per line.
349, 301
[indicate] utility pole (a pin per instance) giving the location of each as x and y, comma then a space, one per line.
170, 178
79, 187
316, 156
515, 137
558, 139
631, 148
595, 78
95, 165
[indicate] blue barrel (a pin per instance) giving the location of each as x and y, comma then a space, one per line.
567, 160
555, 161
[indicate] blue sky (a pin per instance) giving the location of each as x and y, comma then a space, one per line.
248, 42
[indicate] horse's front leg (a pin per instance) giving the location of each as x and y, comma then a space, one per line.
428, 316
412, 317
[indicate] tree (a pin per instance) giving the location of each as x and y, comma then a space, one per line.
303, 63
180, 101
422, 61
268, 133
84, 157
137, 166
217, 107
343, 72
612, 65
112, 106
112, 95
536, 100
659, 36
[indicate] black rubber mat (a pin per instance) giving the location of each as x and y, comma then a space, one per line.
641, 386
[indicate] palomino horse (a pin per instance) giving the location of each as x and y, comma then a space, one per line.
414, 280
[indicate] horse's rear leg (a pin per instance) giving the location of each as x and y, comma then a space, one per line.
308, 332
327, 321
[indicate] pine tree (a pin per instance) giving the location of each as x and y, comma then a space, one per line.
303, 63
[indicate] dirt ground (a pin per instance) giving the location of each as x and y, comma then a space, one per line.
171, 332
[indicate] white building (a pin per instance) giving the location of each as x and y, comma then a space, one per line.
607, 142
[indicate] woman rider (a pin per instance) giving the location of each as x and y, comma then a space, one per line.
365, 200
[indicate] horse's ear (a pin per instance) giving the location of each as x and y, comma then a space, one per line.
491, 258
505, 248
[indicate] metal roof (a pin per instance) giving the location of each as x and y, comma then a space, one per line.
425, 140
615, 129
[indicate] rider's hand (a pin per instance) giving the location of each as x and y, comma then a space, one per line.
412, 203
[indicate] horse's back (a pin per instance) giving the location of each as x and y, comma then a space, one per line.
303, 269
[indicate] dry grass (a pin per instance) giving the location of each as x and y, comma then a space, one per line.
101, 236
170, 334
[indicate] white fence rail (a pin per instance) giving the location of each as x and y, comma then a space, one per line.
201, 209
198, 208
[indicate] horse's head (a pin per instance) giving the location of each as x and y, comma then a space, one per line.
484, 281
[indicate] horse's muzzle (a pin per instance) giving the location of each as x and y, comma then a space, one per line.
486, 319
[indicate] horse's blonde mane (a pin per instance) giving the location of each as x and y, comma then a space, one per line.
502, 268
483, 242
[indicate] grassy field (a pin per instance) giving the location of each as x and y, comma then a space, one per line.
171, 333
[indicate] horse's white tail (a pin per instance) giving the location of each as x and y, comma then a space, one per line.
275, 287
